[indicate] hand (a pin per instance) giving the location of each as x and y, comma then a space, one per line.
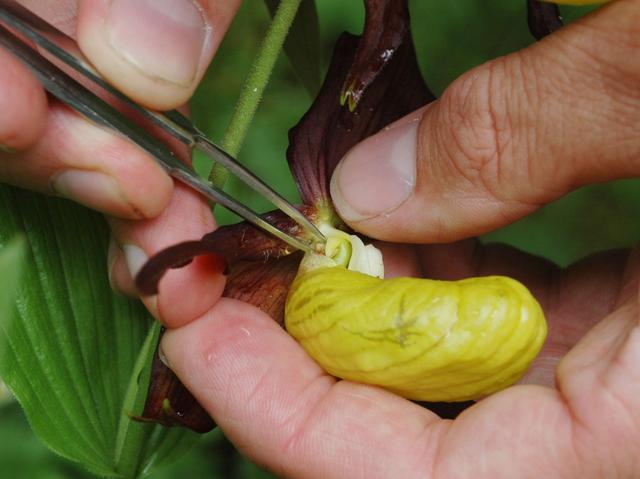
156, 51
504, 139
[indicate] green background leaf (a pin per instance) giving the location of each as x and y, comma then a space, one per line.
302, 45
11, 264
72, 347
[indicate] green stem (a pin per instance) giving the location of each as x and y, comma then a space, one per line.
255, 85
131, 436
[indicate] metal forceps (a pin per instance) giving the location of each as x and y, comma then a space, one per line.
72, 93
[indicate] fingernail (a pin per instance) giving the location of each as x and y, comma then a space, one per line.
378, 175
163, 357
163, 39
135, 258
91, 188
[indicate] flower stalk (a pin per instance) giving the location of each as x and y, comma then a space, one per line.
255, 85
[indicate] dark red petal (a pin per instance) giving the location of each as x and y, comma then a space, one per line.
386, 27
265, 285
543, 18
394, 88
169, 403
245, 242
239, 242
175, 256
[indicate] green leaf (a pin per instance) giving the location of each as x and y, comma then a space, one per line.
11, 265
75, 353
302, 45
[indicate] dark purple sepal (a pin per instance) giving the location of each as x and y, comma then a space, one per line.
264, 284
543, 18
386, 28
170, 403
328, 130
239, 242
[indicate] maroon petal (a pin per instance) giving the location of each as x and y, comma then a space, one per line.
239, 242
384, 67
170, 403
386, 27
543, 18
264, 284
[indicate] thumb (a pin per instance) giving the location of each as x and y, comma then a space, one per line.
155, 51
505, 138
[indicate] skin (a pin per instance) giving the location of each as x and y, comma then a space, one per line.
503, 140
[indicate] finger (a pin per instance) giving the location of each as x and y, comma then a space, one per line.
185, 293
601, 383
297, 422
156, 51
119, 275
576, 299
630, 280
505, 138
79, 160
524, 432
23, 105
281, 410
61, 13
400, 260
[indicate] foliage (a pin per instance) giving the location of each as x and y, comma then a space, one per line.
71, 349
11, 265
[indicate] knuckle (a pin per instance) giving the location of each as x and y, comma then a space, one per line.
478, 129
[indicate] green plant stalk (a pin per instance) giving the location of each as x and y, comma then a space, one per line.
130, 432
255, 85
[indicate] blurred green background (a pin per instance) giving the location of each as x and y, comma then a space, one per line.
450, 37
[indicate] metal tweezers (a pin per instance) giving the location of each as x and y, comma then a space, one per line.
72, 93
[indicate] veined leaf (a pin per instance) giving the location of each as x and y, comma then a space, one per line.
75, 349
11, 264
302, 45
